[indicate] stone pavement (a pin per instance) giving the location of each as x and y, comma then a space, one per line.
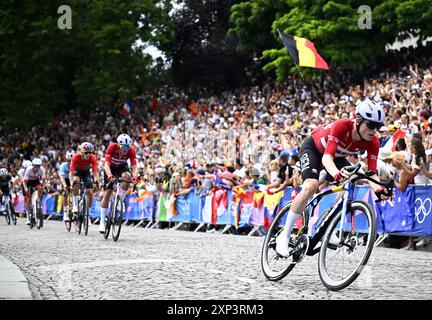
168, 264
13, 284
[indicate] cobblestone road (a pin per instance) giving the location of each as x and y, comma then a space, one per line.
167, 264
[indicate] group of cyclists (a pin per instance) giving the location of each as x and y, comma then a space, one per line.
81, 165
327, 148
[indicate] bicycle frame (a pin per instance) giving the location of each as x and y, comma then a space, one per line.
114, 197
342, 201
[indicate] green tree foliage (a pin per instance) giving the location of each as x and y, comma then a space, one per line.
252, 23
202, 53
332, 26
45, 70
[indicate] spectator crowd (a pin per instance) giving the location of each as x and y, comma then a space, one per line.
194, 140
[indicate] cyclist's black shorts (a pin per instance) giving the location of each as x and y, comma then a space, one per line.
311, 161
5, 189
116, 172
86, 177
31, 184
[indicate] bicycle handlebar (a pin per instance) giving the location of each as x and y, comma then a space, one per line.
355, 176
368, 176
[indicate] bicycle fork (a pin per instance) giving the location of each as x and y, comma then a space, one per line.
347, 197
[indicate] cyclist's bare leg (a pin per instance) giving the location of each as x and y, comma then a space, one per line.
89, 194
66, 204
104, 208
124, 186
309, 187
27, 206
75, 194
105, 198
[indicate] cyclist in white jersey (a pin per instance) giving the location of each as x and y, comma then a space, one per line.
18, 181
34, 177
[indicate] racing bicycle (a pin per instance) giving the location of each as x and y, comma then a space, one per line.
81, 219
343, 235
114, 218
36, 216
9, 209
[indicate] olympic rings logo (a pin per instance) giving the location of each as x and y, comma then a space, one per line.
423, 209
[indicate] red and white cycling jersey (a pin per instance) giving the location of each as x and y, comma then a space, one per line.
78, 163
29, 174
116, 159
336, 139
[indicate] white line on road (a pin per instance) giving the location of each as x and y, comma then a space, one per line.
243, 279
247, 280
104, 263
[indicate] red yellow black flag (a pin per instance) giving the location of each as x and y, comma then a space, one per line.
303, 52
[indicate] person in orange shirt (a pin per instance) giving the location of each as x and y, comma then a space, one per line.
424, 122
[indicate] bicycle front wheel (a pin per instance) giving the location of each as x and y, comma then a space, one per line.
343, 255
85, 216
274, 266
117, 218
109, 219
39, 216
78, 218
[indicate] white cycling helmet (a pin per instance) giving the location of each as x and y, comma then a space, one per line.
69, 155
371, 111
4, 172
26, 164
37, 162
124, 139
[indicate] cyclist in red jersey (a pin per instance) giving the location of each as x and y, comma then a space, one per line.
326, 149
80, 166
116, 165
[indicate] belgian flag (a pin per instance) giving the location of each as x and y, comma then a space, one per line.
303, 52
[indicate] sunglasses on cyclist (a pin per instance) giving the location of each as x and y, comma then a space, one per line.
373, 125
124, 147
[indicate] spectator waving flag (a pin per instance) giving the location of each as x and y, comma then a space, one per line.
126, 109
303, 52
391, 143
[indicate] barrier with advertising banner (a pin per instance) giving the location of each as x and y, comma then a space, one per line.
409, 213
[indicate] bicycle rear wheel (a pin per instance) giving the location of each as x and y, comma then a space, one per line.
274, 266
78, 219
341, 261
13, 214
107, 226
31, 218
38, 215
85, 216
109, 219
118, 218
